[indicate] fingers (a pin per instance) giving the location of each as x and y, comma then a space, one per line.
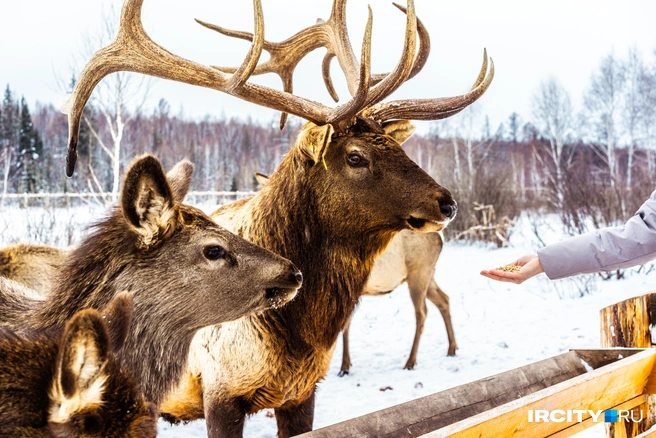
508, 277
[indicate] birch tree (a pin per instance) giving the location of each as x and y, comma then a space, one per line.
603, 102
552, 116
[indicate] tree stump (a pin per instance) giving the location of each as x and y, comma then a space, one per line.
628, 324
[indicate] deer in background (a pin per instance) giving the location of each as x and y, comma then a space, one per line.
409, 258
185, 272
334, 203
71, 384
33, 266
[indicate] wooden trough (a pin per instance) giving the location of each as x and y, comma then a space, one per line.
500, 406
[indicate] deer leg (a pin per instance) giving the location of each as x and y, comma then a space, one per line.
295, 419
418, 296
441, 300
346, 356
224, 418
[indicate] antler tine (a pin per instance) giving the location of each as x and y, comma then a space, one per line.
346, 112
434, 109
244, 71
422, 54
134, 51
420, 59
400, 74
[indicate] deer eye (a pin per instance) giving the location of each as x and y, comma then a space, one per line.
214, 252
356, 160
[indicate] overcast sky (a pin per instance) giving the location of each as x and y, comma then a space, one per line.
529, 41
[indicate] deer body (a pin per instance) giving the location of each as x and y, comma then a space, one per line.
184, 271
33, 266
410, 257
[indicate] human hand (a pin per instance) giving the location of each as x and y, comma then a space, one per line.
530, 266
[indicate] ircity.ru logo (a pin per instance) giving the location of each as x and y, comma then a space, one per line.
578, 415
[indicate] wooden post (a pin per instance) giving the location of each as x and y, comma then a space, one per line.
628, 324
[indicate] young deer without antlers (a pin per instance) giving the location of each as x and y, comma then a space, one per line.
184, 271
409, 258
71, 384
340, 195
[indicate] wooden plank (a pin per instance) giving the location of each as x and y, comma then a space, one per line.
597, 390
599, 357
651, 433
578, 427
429, 413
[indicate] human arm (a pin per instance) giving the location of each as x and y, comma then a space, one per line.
606, 249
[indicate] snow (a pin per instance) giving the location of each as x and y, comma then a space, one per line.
498, 326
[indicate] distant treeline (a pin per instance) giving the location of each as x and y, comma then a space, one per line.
594, 167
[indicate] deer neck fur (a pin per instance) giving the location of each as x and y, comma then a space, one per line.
289, 218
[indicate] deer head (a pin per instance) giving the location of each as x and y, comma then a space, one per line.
92, 395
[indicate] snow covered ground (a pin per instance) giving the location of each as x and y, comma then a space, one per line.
498, 326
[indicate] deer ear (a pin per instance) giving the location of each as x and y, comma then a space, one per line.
118, 319
147, 200
79, 376
261, 178
313, 140
180, 179
399, 130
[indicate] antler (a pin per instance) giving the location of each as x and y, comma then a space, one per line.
432, 109
134, 51
333, 35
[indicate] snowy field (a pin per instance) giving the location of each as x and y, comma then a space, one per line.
498, 326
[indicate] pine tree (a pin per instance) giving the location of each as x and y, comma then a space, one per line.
31, 150
9, 139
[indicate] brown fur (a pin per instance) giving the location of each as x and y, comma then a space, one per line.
45, 391
155, 248
411, 258
33, 266
332, 219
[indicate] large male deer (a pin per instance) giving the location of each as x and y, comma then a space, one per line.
334, 203
409, 258
184, 271
71, 384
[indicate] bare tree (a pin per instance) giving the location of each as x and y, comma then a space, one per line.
552, 116
603, 102
632, 109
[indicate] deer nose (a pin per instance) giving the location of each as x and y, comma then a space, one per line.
299, 277
449, 210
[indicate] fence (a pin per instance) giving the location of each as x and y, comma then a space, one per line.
55, 200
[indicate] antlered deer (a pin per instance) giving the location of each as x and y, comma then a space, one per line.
334, 203
71, 384
184, 271
409, 258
